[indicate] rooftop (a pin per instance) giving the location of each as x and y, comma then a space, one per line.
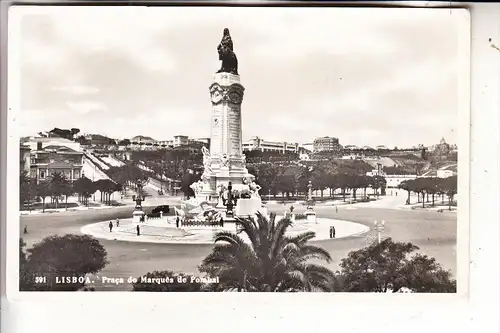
42, 139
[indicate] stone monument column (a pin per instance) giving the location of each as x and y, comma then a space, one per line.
226, 93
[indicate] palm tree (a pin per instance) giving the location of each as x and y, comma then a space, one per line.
271, 262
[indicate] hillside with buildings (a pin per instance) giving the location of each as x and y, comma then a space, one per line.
180, 159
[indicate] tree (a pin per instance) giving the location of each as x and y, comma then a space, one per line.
58, 186
266, 176
304, 176
320, 179
62, 133
344, 183
124, 142
286, 183
85, 188
165, 281
432, 188
27, 188
271, 262
333, 182
106, 187
64, 256
407, 185
187, 180
74, 131
392, 267
450, 184
42, 191
355, 183
424, 155
83, 140
379, 182
364, 183
25, 280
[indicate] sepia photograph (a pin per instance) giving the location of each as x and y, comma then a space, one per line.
227, 149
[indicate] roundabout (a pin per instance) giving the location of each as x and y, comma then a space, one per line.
165, 231
434, 233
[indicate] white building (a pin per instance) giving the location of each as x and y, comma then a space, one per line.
180, 140
393, 181
256, 143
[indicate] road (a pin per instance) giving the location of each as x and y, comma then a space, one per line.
434, 233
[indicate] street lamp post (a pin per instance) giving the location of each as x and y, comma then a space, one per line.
379, 227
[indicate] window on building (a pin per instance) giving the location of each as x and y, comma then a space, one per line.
42, 174
76, 174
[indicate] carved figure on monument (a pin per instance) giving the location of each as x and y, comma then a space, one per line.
227, 55
254, 189
197, 187
225, 161
220, 189
206, 161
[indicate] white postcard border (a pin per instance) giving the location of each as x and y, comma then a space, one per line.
371, 307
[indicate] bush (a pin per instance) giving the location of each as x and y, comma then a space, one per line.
392, 267
55, 257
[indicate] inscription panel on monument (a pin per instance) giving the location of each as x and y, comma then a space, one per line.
216, 135
234, 130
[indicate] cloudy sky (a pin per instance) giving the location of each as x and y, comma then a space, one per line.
367, 76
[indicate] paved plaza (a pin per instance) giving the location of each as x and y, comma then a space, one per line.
435, 233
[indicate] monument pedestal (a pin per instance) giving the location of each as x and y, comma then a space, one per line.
248, 207
310, 215
137, 215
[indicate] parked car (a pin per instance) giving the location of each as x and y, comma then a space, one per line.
165, 209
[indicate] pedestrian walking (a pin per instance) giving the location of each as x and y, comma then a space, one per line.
336, 209
110, 225
117, 222
138, 230
177, 222
221, 222
333, 231
25, 229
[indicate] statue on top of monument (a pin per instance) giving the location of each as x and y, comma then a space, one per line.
227, 55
